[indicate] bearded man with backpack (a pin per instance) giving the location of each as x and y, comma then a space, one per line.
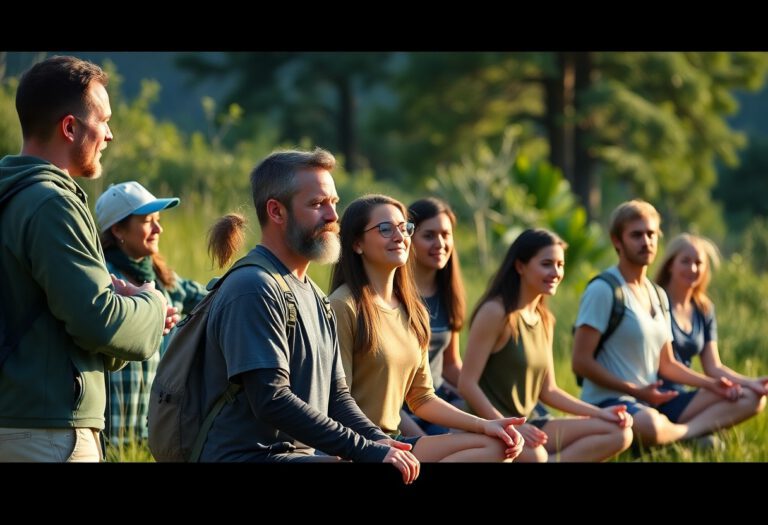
273, 350
624, 367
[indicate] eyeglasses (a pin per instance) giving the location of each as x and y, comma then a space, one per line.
387, 229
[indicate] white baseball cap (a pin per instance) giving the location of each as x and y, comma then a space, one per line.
127, 198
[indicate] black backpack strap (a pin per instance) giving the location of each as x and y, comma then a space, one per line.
10, 339
324, 298
660, 293
617, 307
258, 259
617, 312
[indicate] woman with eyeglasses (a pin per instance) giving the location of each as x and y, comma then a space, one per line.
383, 335
508, 365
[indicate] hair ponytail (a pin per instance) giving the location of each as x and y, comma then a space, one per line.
225, 238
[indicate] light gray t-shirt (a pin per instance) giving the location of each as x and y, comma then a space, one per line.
632, 352
247, 331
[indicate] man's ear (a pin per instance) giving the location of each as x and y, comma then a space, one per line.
276, 211
67, 128
616, 242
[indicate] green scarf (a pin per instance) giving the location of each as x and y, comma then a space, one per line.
141, 271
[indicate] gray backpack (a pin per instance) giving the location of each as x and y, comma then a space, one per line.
178, 421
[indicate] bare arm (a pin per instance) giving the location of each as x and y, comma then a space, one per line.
452, 361
675, 371
585, 342
556, 397
409, 427
713, 367
438, 411
484, 333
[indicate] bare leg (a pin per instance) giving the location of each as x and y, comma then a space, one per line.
533, 455
653, 428
708, 411
464, 447
409, 427
585, 439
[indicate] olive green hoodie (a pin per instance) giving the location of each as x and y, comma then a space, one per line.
50, 254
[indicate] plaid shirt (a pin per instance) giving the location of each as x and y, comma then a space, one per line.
129, 387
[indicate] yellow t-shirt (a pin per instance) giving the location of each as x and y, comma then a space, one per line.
381, 379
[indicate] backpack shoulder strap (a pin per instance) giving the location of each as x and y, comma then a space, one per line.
660, 293
324, 298
258, 259
617, 306
202, 435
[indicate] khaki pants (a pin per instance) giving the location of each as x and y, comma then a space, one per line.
50, 445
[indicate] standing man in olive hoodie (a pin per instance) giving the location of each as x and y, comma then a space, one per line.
73, 324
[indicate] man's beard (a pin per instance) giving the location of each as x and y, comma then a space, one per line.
313, 243
638, 258
86, 164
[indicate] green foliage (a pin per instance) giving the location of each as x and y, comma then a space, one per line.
754, 243
555, 207
10, 131
503, 193
448, 102
657, 123
166, 161
133, 452
653, 123
743, 189
481, 191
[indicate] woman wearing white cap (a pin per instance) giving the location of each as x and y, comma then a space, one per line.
129, 221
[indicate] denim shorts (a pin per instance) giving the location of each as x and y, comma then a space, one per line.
433, 429
411, 440
673, 408
540, 416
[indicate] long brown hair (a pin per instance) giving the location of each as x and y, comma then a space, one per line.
505, 285
164, 274
673, 249
350, 271
450, 285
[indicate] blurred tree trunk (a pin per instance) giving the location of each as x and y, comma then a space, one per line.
586, 183
347, 137
567, 128
554, 118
